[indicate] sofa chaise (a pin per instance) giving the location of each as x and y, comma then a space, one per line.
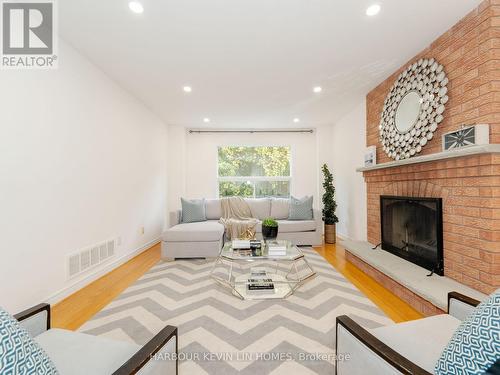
205, 239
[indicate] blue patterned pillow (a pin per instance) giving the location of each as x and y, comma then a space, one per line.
475, 345
19, 353
193, 210
301, 209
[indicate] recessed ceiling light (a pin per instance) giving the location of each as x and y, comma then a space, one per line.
296, 120
317, 89
373, 10
187, 89
206, 120
136, 7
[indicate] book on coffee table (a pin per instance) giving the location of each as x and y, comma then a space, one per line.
259, 285
258, 273
246, 244
240, 244
276, 247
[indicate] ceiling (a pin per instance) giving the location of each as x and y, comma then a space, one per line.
253, 63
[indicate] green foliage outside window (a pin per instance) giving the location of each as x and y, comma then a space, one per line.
254, 163
235, 189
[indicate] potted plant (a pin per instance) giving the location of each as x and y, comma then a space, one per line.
269, 229
329, 206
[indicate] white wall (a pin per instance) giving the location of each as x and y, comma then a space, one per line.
193, 173
348, 148
176, 166
81, 161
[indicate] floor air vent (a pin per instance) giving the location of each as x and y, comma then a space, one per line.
90, 257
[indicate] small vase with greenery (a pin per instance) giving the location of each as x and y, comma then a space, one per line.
329, 206
269, 229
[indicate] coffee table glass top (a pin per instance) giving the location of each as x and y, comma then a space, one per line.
292, 253
238, 270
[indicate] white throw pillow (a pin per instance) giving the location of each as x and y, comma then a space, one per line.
213, 209
280, 208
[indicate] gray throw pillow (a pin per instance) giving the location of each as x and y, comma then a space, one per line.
193, 210
301, 209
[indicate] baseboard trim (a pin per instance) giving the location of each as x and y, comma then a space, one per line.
90, 278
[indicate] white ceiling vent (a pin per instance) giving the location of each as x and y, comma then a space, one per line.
89, 257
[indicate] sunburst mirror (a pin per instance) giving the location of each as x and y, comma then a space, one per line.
413, 109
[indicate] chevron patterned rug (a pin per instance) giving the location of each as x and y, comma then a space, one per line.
221, 334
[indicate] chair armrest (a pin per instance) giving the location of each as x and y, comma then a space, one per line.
460, 306
146, 353
368, 355
35, 319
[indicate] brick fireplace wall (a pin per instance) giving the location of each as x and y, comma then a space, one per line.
469, 186
470, 54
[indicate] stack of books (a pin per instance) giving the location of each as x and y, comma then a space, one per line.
246, 244
247, 248
276, 248
259, 282
240, 244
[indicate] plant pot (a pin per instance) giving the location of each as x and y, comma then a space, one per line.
330, 233
269, 233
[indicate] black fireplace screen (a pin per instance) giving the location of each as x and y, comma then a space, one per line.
412, 228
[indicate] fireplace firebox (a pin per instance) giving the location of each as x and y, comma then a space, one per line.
412, 228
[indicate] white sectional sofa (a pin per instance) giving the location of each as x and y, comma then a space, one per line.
206, 238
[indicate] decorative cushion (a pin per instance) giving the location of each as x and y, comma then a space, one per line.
19, 353
193, 210
213, 209
280, 208
301, 209
475, 345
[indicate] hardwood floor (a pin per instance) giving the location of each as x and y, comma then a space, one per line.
395, 308
79, 307
76, 309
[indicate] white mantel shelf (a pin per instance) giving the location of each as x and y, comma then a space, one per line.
466, 151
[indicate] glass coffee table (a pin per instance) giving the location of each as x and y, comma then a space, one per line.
237, 270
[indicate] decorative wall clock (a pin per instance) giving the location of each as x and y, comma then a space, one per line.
471, 135
413, 109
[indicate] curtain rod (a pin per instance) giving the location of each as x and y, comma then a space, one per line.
309, 131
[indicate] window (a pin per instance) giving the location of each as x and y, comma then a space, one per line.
254, 171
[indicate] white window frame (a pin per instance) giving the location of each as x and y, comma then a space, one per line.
254, 179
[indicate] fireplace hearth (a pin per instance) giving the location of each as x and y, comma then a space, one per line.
412, 228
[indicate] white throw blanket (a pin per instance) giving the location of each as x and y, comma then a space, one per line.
237, 218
